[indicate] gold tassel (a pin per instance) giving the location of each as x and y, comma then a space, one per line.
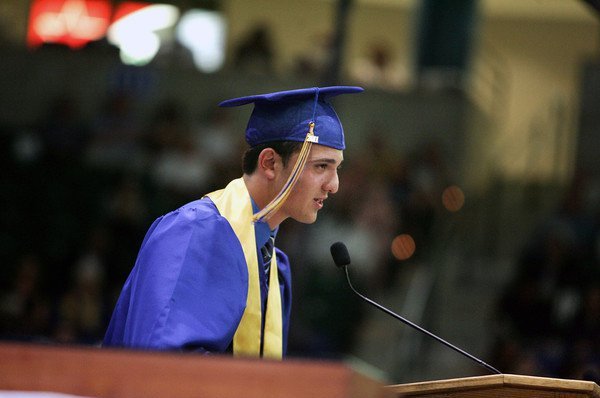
281, 197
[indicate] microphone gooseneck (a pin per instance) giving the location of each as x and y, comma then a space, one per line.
340, 255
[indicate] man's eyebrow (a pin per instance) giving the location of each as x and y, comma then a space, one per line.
325, 160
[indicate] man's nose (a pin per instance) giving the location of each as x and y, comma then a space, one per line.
333, 184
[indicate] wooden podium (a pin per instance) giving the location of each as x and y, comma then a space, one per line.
499, 386
95, 372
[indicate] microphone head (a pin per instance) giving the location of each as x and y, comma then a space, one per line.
340, 254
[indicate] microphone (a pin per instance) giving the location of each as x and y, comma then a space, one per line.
341, 258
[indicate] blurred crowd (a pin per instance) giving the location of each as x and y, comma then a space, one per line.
78, 197
548, 317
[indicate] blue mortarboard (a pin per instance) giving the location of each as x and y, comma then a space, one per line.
302, 115
285, 116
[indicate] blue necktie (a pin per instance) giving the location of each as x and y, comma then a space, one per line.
267, 254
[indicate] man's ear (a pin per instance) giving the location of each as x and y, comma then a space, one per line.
266, 162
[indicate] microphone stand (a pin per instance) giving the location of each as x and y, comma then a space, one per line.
419, 328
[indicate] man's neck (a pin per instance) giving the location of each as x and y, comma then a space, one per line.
261, 193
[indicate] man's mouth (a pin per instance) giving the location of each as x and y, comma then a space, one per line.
319, 202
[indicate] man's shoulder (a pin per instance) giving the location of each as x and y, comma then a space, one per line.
195, 222
198, 210
199, 214
203, 206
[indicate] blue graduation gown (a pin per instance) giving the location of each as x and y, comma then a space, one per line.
188, 288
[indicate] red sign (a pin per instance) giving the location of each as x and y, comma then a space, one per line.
127, 8
71, 22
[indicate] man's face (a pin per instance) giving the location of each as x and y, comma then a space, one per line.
317, 181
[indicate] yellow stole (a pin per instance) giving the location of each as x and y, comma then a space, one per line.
234, 204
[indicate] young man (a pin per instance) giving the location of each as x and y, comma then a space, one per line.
207, 277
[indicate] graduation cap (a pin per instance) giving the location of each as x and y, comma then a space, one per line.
302, 115
285, 115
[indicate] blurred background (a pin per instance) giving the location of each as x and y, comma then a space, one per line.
469, 197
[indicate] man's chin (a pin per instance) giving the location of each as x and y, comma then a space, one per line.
307, 219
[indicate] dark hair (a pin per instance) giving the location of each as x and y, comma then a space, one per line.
285, 149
